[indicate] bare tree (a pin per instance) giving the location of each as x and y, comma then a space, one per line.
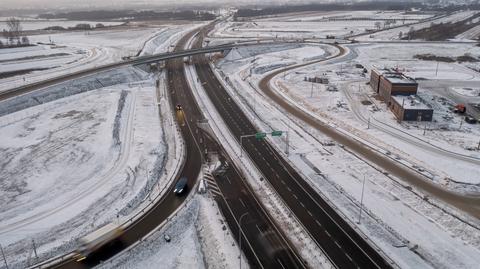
378, 25
14, 28
25, 40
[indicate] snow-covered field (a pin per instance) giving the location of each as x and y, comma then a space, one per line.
393, 34
74, 164
75, 51
414, 232
199, 239
314, 25
30, 24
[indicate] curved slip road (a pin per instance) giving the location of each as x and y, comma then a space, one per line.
469, 204
169, 202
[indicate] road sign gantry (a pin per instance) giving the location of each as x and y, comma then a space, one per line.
262, 135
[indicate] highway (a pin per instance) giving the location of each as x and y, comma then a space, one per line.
343, 245
268, 247
262, 242
10, 93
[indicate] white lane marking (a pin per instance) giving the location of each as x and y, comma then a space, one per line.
318, 223
228, 180
241, 201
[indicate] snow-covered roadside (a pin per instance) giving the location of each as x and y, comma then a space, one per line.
338, 174
311, 25
91, 49
200, 238
301, 240
346, 110
393, 34
122, 172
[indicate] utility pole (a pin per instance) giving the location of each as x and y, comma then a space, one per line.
425, 130
368, 124
436, 71
478, 148
3, 255
361, 202
240, 237
35, 249
287, 151
311, 91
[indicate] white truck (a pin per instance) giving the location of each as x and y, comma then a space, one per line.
97, 239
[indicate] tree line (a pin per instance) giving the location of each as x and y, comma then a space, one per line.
13, 34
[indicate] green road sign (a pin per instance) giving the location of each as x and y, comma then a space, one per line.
277, 133
260, 135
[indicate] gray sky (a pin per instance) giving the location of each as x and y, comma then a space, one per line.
61, 4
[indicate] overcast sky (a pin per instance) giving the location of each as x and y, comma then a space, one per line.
60, 4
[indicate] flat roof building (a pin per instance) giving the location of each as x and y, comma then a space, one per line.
399, 93
410, 108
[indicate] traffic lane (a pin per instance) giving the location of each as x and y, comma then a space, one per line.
321, 225
239, 126
269, 248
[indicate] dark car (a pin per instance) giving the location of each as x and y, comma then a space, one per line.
181, 186
470, 120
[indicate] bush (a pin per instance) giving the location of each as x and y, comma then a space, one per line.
55, 28
81, 26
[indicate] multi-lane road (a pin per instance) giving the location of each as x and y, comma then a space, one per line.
343, 245
262, 241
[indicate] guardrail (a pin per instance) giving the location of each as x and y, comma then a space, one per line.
147, 203
331, 204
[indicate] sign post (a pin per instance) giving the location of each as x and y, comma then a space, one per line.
261, 136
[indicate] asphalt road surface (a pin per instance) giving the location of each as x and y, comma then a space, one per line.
343, 245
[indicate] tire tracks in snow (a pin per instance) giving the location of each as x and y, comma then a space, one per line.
119, 165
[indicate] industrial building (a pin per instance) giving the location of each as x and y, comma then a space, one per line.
399, 93
387, 83
410, 108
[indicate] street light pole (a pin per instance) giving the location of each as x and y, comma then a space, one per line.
287, 150
241, 146
4, 258
311, 90
240, 237
361, 202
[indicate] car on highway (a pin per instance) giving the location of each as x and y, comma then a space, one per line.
181, 186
